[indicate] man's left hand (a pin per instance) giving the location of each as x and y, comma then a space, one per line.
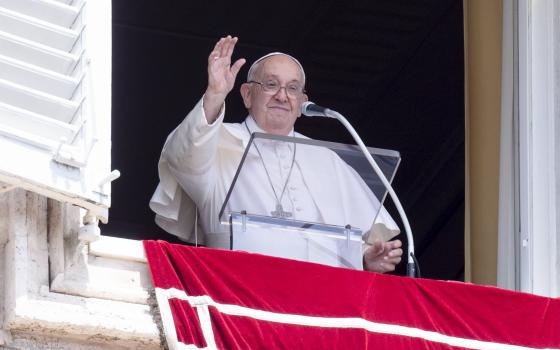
383, 257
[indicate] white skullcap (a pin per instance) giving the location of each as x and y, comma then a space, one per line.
254, 65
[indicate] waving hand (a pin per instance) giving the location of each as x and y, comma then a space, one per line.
221, 76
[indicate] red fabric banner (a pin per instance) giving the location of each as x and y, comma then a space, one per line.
235, 300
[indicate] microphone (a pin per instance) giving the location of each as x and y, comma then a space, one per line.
310, 109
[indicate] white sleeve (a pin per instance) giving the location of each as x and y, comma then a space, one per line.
186, 171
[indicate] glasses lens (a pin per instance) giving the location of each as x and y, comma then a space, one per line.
293, 89
272, 87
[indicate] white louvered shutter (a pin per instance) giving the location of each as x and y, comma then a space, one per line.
55, 99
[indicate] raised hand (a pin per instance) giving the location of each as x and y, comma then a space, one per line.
383, 257
221, 76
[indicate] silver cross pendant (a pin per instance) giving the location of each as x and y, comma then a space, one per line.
280, 213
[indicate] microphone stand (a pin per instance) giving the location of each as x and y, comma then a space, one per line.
411, 265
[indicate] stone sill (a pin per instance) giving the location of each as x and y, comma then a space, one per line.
112, 268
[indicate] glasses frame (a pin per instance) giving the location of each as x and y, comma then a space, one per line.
280, 87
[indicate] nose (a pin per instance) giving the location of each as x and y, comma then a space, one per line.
281, 94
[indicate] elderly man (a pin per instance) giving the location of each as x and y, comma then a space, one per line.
201, 155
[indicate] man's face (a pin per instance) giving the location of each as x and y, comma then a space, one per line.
277, 112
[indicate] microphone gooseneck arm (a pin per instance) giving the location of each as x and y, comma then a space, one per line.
311, 109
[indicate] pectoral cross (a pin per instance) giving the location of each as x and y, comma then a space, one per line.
280, 213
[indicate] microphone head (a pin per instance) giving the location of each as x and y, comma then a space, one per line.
305, 106
310, 109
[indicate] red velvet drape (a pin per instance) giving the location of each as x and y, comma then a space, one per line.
354, 309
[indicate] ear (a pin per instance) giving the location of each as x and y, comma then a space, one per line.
245, 91
304, 98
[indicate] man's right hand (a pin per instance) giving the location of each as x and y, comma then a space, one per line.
221, 76
383, 256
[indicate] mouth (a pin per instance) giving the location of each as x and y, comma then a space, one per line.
280, 108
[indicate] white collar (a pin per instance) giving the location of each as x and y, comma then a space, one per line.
254, 127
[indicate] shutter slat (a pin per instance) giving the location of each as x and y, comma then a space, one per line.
36, 125
47, 10
66, 2
37, 102
37, 78
37, 54
38, 31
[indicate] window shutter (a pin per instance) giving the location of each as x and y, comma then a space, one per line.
55, 99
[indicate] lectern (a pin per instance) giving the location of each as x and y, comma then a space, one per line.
308, 200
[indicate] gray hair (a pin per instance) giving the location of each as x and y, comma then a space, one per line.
255, 65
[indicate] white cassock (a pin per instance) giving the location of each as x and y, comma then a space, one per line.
199, 161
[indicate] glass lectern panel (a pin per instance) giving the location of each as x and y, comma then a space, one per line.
305, 199
298, 240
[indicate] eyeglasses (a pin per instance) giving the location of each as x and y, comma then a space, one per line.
271, 87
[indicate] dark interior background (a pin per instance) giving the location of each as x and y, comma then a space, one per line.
394, 68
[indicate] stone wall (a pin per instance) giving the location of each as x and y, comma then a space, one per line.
59, 293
